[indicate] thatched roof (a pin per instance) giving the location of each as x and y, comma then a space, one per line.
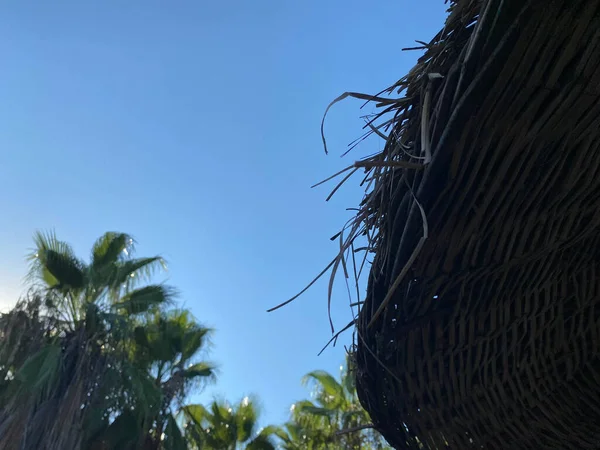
481, 325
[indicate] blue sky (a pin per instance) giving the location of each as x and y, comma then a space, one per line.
194, 126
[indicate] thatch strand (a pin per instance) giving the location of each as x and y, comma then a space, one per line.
481, 324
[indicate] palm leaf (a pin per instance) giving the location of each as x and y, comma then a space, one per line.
122, 433
41, 369
223, 424
146, 394
163, 338
54, 263
136, 270
144, 299
260, 442
65, 268
264, 439
93, 320
193, 340
173, 439
175, 334
331, 391
349, 376
219, 413
246, 416
95, 426
195, 413
42, 242
199, 370
306, 406
349, 383
274, 430
182, 318
49, 241
140, 336
46, 277
110, 248
358, 417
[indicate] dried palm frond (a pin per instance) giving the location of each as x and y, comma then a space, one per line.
481, 324
51, 380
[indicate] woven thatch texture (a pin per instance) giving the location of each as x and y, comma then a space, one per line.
486, 334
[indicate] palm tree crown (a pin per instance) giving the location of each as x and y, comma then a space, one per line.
225, 427
100, 349
334, 418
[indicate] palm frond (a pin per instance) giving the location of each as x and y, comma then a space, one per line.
200, 370
145, 299
50, 389
122, 433
349, 383
330, 391
261, 442
111, 248
134, 271
68, 271
273, 430
40, 370
195, 413
194, 339
98, 362
179, 329
147, 395
49, 241
309, 407
173, 439
52, 259
265, 438
246, 417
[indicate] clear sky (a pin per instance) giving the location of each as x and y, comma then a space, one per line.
194, 126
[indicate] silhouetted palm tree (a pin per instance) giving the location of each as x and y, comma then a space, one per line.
225, 427
334, 419
93, 359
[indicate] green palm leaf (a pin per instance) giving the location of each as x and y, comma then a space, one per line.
106, 348
349, 377
66, 269
331, 393
194, 338
122, 433
147, 395
144, 299
40, 370
245, 417
49, 241
307, 406
44, 242
195, 413
110, 248
200, 370
274, 430
316, 425
54, 263
261, 442
134, 271
264, 440
173, 439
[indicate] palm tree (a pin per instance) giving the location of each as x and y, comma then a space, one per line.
335, 419
224, 427
108, 282
168, 346
80, 357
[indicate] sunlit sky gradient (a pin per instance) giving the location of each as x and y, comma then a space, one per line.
194, 126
